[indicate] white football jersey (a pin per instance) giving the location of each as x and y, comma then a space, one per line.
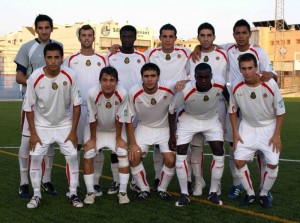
87, 69
201, 105
151, 109
128, 67
173, 66
51, 98
217, 60
107, 110
259, 105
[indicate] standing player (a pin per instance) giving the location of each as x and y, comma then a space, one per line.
50, 93
262, 110
172, 61
128, 63
217, 59
201, 99
29, 58
149, 101
87, 65
107, 108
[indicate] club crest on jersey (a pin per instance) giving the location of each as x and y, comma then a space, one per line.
88, 63
126, 60
205, 98
153, 101
217, 58
116, 103
108, 105
265, 95
252, 95
168, 56
165, 97
179, 56
99, 64
54, 86
206, 59
138, 61
65, 83
218, 94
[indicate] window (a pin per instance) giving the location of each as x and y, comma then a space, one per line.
297, 41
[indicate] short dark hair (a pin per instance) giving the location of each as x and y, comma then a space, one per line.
111, 71
150, 66
206, 25
248, 57
52, 47
41, 18
241, 22
85, 27
168, 26
201, 67
128, 28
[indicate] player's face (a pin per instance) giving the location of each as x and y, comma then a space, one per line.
203, 79
127, 39
86, 38
108, 84
44, 30
150, 79
206, 38
241, 35
248, 71
53, 61
167, 39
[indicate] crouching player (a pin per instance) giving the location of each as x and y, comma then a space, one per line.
107, 109
262, 110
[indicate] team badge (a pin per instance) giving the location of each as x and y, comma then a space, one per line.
116, 103
99, 64
168, 56
54, 86
126, 60
217, 58
265, 95
253, 95
65, 83
179, 56
205, 98
108, 105
206, 59
88, 63
138, 61
153, 101
165, 97
218, 94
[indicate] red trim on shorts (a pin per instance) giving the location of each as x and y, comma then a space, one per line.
266, 86
67, 75
102, 57
219, 86
137, 94
72, 57
143, 178
224, 55
142, 55
189, 94
166, 89
38, 79
237, 86
118, 96
255, 52
248, 179
98, 96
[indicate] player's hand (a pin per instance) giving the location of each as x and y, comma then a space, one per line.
73, 138
121, 143
90, 144
266, 76
172, 142
276, 141
135, 153
33, 140
180, 85
196, 54
236, 138
114, 48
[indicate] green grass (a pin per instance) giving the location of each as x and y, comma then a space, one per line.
286, 190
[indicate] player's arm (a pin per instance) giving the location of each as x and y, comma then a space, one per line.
21, 75
72, 135
114, 48
34, 138
135, 150
275, 139
267, 75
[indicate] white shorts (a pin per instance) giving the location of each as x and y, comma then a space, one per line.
104, 139
146, 136
256, 138
50, 136
81, 124
24, 124
188, 126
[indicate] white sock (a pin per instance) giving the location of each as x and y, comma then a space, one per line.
182, 173
98, 166
124, 178
197, 164
235, 176
115, 171
165, 177
139, 175
217, 168
244, 175
24, 160
158, 160
89, 182
72, 173
36, 174
269, 180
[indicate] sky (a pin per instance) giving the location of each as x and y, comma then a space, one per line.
185, 15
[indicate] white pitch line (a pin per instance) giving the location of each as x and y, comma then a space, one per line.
151, 151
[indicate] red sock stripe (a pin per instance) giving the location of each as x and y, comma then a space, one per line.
161, 177
265, 174
143, 178
186, 168
248, 179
